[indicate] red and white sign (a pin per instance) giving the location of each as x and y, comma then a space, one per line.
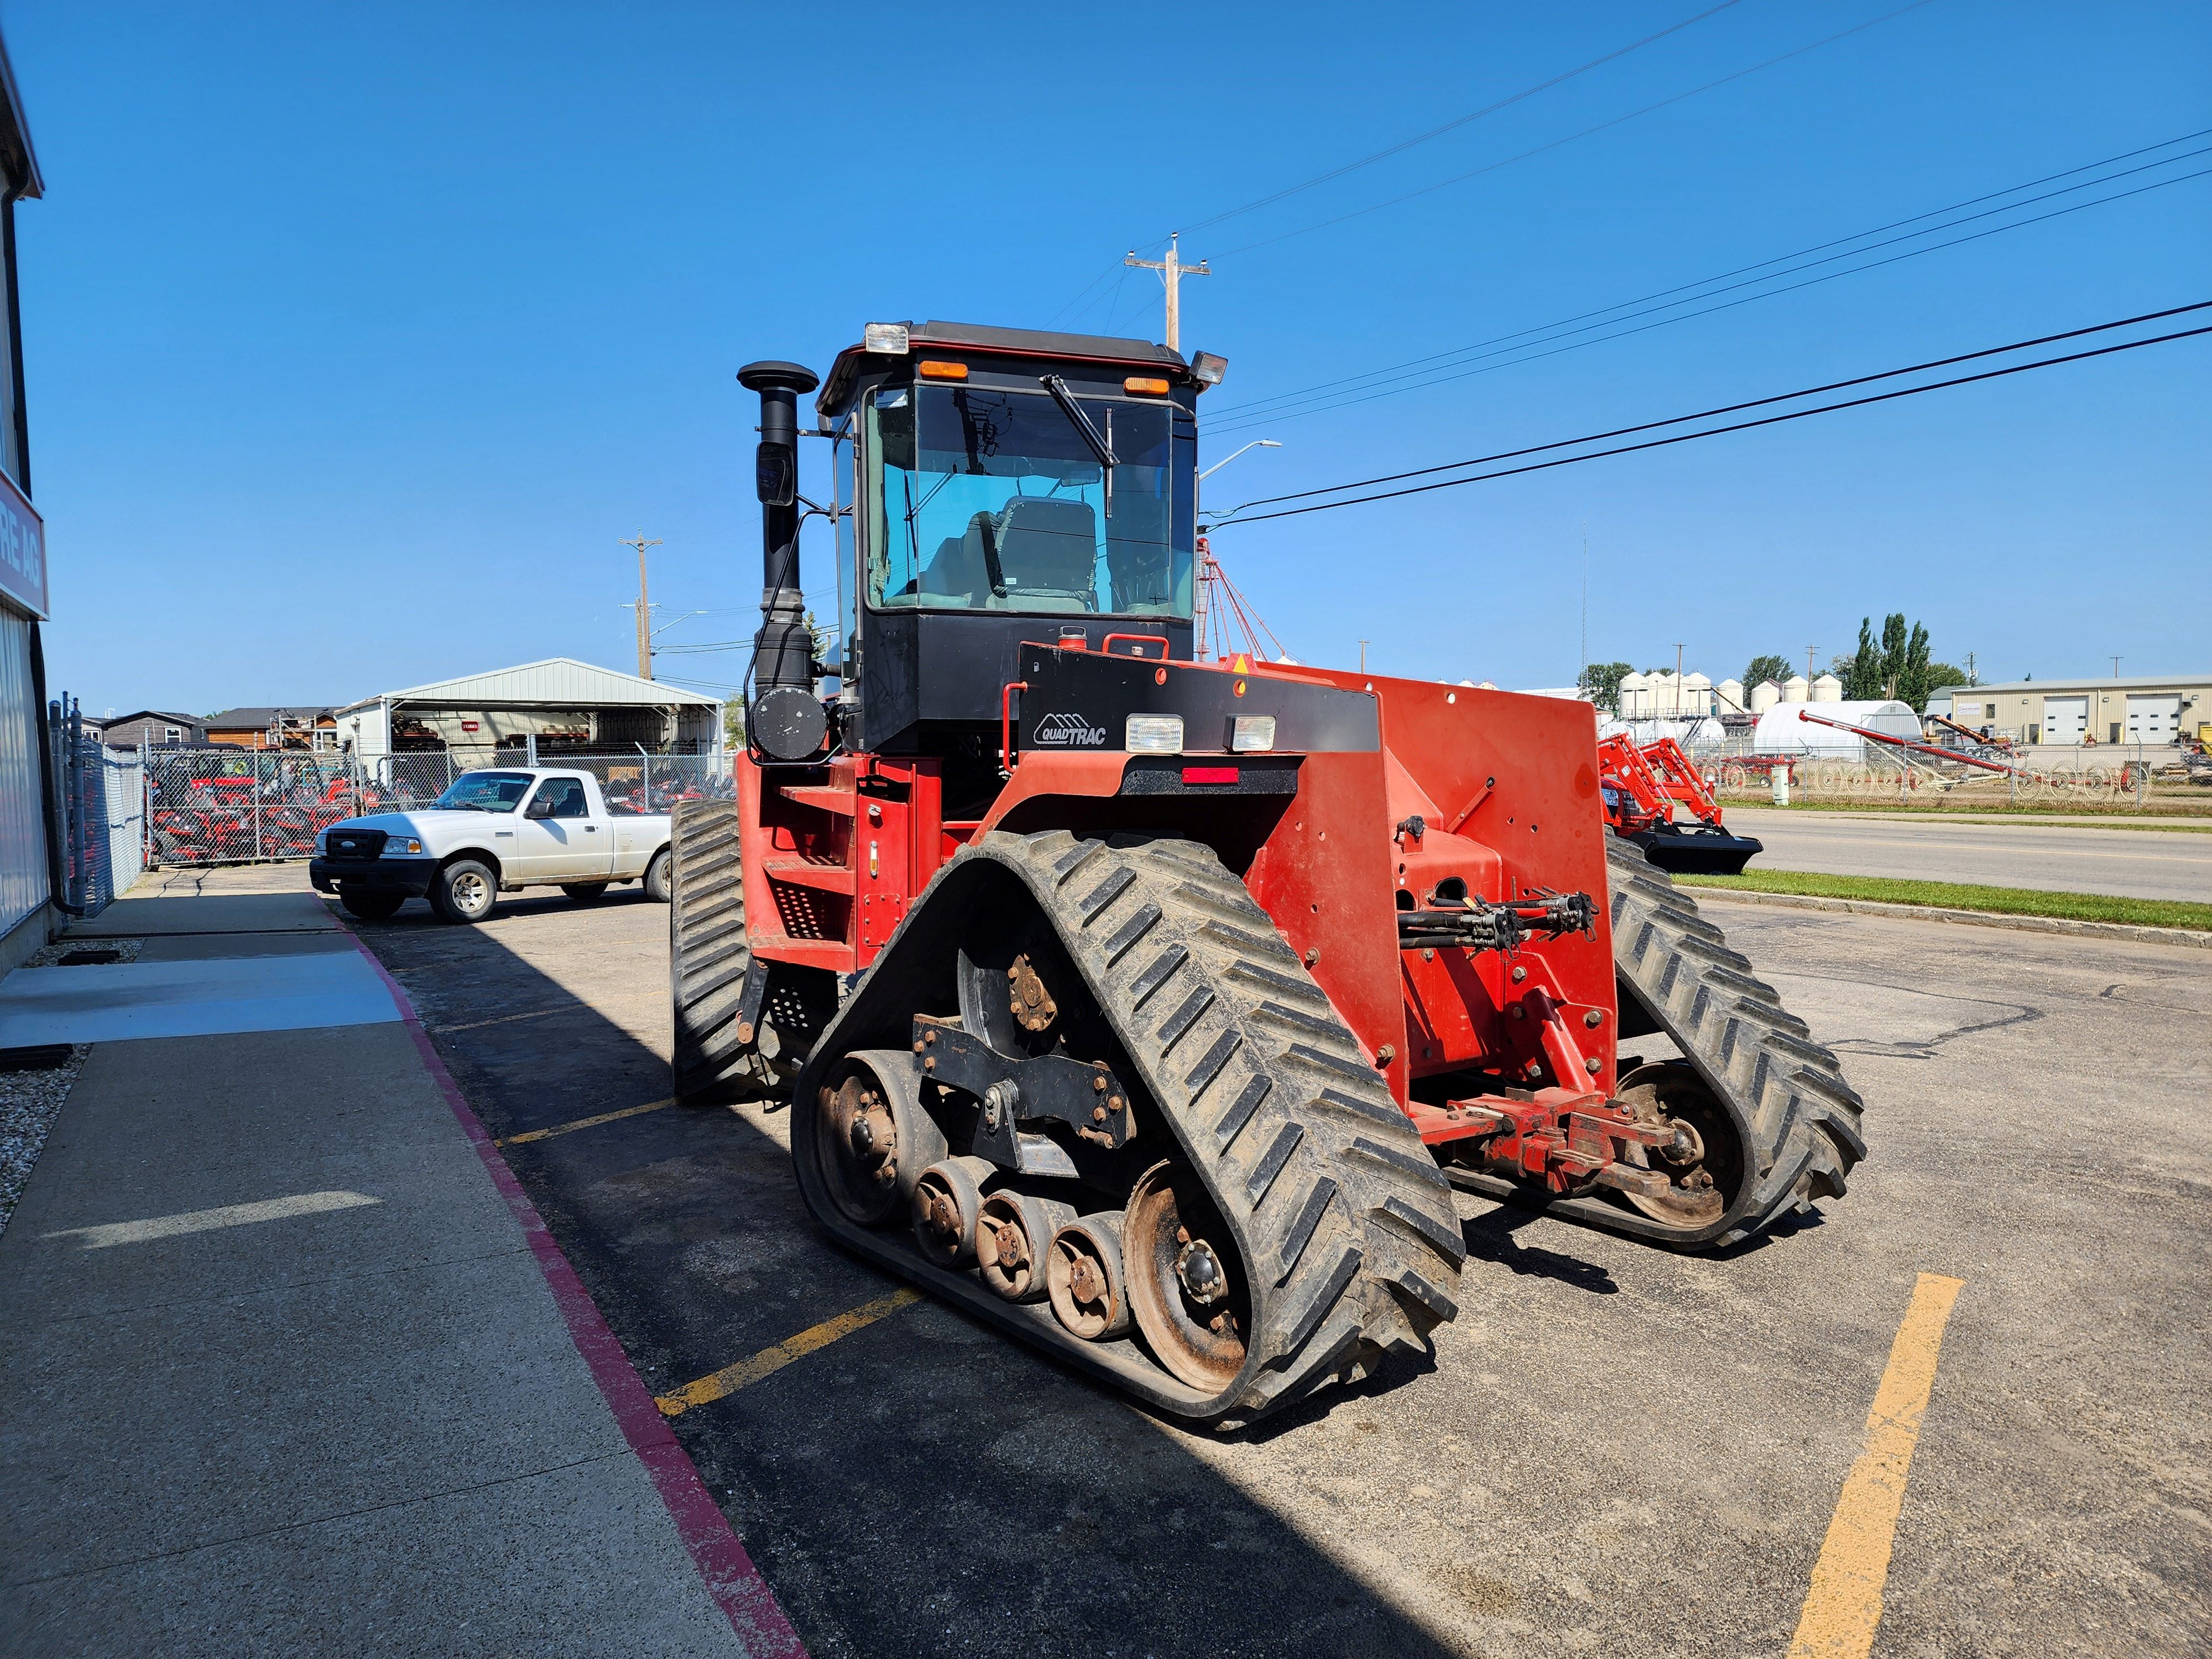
468, 726
22, 551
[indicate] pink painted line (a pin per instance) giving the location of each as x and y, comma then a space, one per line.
730, 1577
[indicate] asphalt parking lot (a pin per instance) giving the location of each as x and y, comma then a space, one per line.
1614, 1449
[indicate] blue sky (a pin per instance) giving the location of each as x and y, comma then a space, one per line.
357, 336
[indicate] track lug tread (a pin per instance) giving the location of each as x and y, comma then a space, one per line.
1804, 1118
1263, 1087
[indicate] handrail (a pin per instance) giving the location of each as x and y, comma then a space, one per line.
1106, 645
1006, 723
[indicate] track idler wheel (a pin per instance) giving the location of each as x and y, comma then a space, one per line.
1013, 1239
1703, 1164
948, 1202
1187, 1290
873, 1138
1082, 1274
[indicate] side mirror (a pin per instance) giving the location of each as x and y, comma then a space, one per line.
775, 474
542, 808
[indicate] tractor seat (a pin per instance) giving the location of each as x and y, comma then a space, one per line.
1048, 544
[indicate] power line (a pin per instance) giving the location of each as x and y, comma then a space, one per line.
1649, 109
1464, 120
1409, 143
1375, 376
1240, 423
1715, 432
1726, 409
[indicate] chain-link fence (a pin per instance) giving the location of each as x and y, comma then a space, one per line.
216, 806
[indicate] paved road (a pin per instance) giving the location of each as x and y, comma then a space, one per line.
1614, 1449
2132, 863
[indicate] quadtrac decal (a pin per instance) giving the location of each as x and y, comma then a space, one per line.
1068, 731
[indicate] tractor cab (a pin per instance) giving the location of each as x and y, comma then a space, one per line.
996, 485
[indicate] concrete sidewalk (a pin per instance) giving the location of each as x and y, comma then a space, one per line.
289, 1366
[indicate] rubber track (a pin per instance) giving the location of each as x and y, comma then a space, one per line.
1788, 1092
709, 958
1348, 1230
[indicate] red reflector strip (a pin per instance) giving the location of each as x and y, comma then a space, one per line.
1209, 774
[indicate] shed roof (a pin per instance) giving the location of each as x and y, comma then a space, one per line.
256, 718
561, 681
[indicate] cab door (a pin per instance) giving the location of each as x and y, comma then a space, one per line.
556, 838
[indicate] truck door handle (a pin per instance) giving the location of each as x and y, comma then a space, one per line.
591, 828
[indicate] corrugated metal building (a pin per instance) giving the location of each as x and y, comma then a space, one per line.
25, 868
2144, 709
565, 705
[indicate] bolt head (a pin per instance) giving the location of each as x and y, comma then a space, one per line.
1097, 1114
1520, 974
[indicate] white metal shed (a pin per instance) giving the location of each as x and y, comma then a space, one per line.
560, 703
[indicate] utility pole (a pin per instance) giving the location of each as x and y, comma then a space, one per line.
2116, 667
1809, 650
644, 609
1363, 656
1971, 680
1172, 271
1678, 677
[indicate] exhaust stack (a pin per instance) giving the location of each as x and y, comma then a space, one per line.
786, 721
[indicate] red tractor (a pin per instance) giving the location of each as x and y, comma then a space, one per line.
1642, 786
1150, 1009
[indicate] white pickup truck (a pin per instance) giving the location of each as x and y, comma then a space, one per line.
492, 832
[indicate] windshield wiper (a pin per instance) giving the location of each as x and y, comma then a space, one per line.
1100, 446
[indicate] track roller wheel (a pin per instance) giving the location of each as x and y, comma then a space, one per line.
874, 1140
1012, 1240
1187, 1290
1704, 1166
1084, 1277
948, 1202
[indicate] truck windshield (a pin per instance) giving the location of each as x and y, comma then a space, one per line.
485, 792
988, 500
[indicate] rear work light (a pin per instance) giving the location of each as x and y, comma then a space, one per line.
1153, 734
1250, 732
888, 339
1145, 383
1209, 774
935, 368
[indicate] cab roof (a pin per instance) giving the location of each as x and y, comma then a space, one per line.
837, 390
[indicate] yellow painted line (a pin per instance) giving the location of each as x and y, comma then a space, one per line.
503, 1019
769, 1361
1843, 1605
571, 1127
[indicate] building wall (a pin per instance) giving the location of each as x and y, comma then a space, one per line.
22, 791
2075, 711
150, 734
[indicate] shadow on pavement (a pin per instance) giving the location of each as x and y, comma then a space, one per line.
921, 1485
1491, 1238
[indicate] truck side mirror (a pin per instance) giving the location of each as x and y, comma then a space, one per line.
775, 474
541, 807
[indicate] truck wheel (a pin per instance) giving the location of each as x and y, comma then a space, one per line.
584, 892
372, 907
463, 891
656, 877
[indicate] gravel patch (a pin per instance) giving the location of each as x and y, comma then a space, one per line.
31, 1100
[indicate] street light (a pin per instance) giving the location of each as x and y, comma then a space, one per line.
1256, 443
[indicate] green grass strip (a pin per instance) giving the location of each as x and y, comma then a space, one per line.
1967, 895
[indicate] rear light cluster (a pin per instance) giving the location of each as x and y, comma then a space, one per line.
1161, 734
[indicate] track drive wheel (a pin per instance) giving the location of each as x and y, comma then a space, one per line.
1704, 1165
1188, 1291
